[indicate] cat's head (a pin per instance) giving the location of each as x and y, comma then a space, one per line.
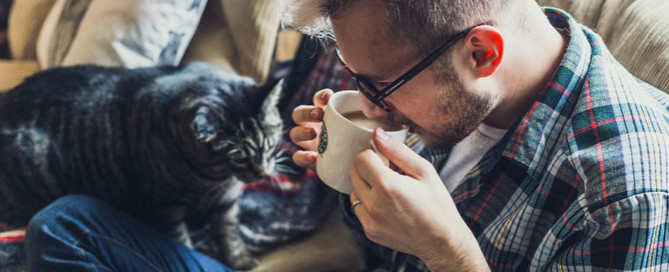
234, 127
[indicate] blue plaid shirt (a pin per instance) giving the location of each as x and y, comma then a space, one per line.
580, 183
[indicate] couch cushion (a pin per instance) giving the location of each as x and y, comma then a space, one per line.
14, 72
128, 33
331, 248
636, 33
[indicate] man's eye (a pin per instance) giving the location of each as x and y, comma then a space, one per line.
382, 84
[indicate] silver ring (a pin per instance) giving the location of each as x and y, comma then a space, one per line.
355, 203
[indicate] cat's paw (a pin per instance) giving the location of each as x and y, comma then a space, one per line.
243, 263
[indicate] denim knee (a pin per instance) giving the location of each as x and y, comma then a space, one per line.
70, 206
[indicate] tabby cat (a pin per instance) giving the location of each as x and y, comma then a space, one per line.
151, 141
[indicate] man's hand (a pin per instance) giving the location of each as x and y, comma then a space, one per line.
412, 213
305, 134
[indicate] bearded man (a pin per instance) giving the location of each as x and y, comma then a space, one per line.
558, 157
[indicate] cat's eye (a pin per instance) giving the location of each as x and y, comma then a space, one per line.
239, 161
237, 156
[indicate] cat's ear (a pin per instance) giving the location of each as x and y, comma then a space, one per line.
272, 97
204, 126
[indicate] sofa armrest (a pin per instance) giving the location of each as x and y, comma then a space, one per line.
636, 33
331, 248
13, 72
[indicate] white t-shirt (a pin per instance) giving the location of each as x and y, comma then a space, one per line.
467, 153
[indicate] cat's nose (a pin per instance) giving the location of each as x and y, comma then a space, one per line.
261, 172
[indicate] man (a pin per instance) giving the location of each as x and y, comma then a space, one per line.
558, 157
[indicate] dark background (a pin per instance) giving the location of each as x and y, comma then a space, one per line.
4, 13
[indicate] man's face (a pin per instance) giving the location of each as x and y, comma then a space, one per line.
442, 113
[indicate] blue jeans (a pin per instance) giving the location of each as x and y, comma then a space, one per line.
80, 233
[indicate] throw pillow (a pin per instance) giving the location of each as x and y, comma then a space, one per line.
128, 33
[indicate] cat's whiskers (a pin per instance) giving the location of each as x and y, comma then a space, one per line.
279, 153
282, 159
285, 169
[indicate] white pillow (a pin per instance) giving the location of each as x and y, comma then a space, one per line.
127, 33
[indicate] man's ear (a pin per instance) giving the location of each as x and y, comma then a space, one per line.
487, 49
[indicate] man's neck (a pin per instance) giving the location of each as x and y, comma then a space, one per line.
532, 61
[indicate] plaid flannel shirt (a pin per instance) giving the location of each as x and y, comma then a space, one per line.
580, 183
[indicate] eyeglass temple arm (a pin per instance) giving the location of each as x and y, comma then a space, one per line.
428, 60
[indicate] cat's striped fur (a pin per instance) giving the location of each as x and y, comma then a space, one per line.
152, 141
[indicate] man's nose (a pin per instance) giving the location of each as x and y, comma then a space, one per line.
370, 110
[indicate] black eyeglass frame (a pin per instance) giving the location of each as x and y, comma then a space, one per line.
377, 96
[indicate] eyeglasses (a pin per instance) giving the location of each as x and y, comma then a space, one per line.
376, 96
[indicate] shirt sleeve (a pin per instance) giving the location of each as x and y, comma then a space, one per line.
628, 235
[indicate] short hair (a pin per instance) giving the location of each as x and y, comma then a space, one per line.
437, 20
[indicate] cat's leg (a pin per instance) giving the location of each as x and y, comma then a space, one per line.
233, 250
171, 221
225, 232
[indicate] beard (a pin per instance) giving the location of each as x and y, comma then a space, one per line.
460, 112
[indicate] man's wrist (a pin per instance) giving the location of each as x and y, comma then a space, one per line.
464, 260
463, 254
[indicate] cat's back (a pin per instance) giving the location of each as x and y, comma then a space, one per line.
75, 88
62, 132
59, 84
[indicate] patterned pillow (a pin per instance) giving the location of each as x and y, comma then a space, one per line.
128, 33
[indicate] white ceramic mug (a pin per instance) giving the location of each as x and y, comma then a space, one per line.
342, 139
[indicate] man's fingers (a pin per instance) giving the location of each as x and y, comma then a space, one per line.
360, 186
308, 119
305, 137
401, 155
359, 210
303, 133
322, 97
312, 114
307, 114
305, 159
362, 214
369, 168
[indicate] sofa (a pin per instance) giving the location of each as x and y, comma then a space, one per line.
231, 35
636, 33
